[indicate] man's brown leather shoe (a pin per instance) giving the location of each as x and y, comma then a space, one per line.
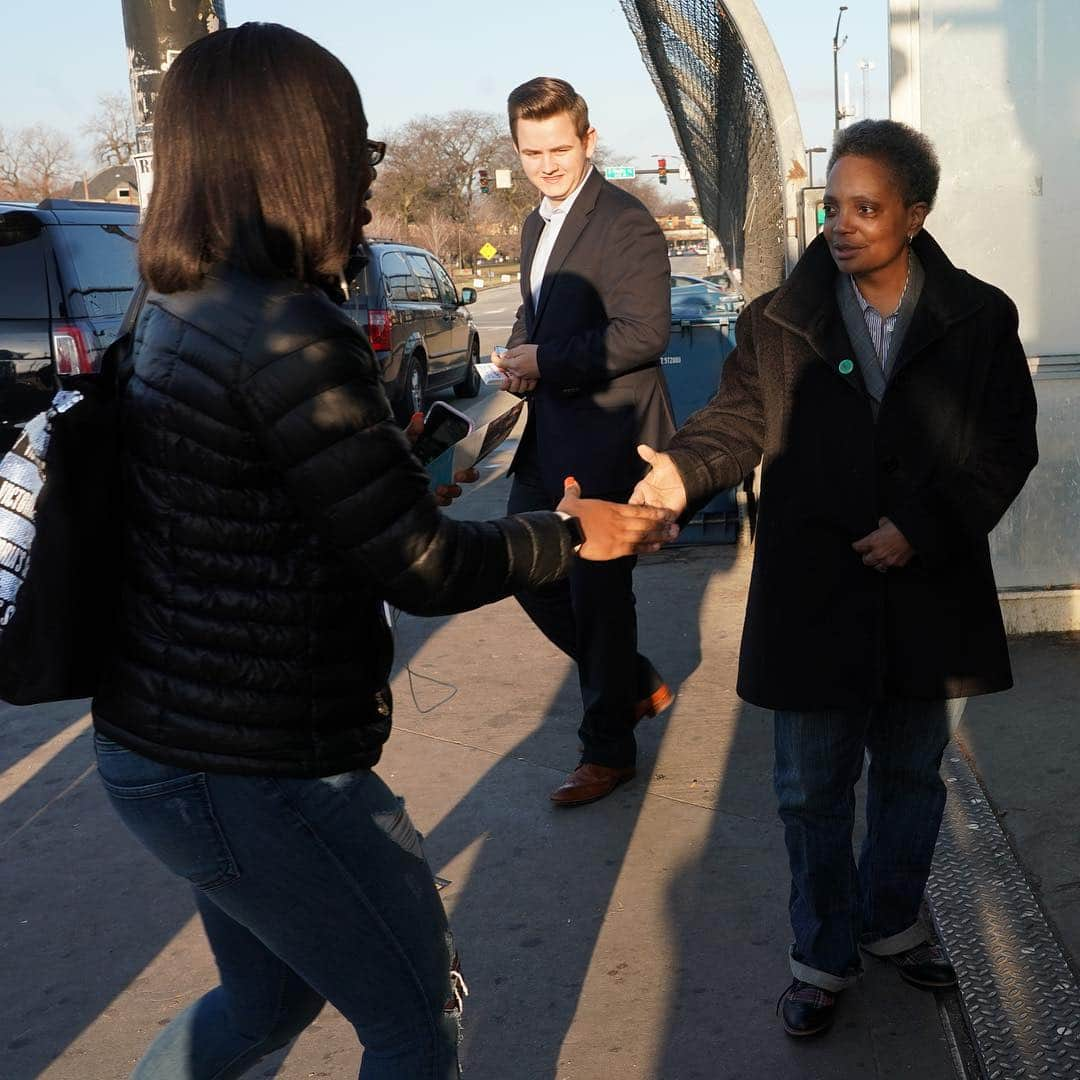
587, 783
656, 703
660, 700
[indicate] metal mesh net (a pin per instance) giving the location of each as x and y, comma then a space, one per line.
718, 109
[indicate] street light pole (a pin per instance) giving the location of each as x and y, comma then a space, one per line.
154, 36
810, 152
837, 45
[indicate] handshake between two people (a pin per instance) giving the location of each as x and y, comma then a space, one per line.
611, 530
643, 525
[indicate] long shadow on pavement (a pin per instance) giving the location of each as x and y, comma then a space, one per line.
83, 910
728, 917
540, 882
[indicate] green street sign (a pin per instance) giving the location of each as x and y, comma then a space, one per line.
619, 172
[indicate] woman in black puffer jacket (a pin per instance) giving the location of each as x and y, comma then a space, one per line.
272, 506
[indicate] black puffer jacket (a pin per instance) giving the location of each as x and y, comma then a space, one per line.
272, 505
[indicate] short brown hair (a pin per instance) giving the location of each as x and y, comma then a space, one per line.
543, 97
259, 157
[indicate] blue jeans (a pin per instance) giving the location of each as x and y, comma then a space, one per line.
310, 890
835, 905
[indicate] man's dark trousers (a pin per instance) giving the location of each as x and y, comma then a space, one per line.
591, 617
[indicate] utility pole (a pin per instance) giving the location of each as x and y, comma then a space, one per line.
155, 34
866, 66
837, 45
810, 152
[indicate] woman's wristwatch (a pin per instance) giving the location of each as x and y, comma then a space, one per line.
573, 526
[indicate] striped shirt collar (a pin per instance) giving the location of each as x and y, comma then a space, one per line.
881, 327
865, 304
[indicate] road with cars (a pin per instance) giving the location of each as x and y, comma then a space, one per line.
495, 307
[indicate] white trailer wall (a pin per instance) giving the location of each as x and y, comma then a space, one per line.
996, 86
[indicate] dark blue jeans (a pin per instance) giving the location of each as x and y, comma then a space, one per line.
835, 905
310, 890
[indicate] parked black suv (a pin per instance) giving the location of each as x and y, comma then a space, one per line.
416, 321
67, 272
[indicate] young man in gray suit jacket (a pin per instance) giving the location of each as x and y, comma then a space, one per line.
586, 345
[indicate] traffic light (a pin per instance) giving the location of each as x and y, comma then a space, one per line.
485, 182
661, 169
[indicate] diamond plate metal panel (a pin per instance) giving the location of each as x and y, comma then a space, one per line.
1019, 995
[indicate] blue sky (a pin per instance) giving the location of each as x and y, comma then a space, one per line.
430, 56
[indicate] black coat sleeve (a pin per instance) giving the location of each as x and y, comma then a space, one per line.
320, 414
958, 505
721, 444
635, 292
519, 335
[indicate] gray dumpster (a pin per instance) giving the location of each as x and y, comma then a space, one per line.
692, 365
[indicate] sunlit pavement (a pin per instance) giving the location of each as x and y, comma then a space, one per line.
643, 936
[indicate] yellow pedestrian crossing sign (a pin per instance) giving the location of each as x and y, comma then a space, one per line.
489, 251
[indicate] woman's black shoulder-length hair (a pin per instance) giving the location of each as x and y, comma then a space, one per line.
259, 161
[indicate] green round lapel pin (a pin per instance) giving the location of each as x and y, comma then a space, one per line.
846, 367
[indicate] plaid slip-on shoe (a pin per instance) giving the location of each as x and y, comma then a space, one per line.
806, 1009
925, 966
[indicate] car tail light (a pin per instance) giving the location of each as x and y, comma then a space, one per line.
73, 357
380, 323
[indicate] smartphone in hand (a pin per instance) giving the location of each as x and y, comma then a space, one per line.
443, 427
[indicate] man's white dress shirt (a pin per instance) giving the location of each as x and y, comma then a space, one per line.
554, 214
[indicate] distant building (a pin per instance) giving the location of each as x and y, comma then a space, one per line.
113, 184
684, 233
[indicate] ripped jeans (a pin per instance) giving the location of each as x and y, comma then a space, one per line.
310, 890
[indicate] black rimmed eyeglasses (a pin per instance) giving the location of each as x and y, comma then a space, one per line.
376, 151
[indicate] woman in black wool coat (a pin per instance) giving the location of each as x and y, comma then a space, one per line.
272, 506
889, 398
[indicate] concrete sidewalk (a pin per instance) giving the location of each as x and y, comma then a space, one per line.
644, 936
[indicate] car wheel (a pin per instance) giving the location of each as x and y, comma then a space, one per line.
469, 387
413, 390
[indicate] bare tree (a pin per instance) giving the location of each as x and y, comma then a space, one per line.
429, 182
682, 208
656, 200
438, 233
404, 187
385, 225
35, 163
12, 150
113, 130
470, 141
428, 188
50, 161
